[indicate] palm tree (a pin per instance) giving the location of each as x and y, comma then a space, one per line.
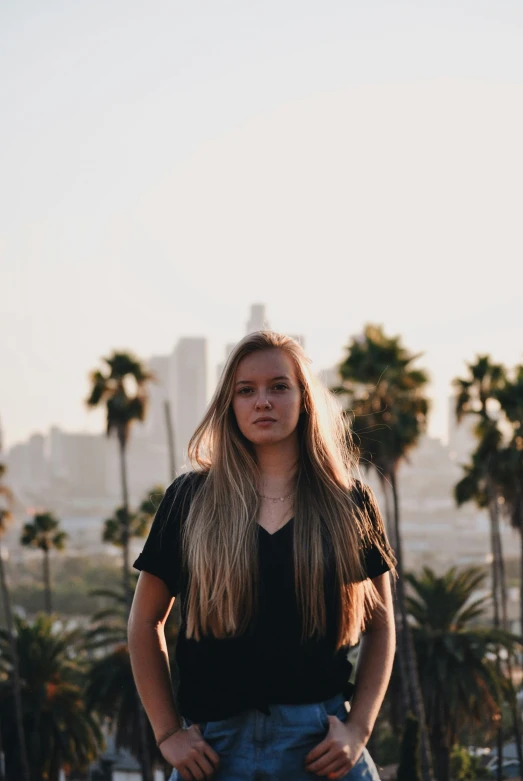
510, 397
59, 730
475, 395
388, 413
120, 527
132, 525
122, 388
111, 690
45, 534
5, 518
460, 683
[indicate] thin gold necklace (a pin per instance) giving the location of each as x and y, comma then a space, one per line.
275, 498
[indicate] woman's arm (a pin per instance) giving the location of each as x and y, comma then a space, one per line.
341, 748
151, 606
375, 660
184, 749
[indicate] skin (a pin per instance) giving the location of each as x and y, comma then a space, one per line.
341, 748
185, 750
266, 384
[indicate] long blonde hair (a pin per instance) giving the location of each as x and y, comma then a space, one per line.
220, 532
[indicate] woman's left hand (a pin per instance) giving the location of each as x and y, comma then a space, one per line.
338, 752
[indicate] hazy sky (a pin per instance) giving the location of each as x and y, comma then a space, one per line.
165, 164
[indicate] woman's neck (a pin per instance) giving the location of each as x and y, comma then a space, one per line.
277, 467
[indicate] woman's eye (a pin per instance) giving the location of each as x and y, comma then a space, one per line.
244, 391
280, 386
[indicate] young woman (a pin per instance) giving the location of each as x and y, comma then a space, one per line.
280, 559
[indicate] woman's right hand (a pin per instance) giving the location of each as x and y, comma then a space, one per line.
190, 755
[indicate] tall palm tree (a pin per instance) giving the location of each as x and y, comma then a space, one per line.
5, 519
111, 690
510, 397
122, 388
60, 732
119, 530
461, 684
481, 484
388, 413
475, 395
45, 534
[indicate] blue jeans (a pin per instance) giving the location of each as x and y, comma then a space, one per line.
256, 747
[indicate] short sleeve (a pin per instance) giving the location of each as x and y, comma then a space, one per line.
161, 554
374, 563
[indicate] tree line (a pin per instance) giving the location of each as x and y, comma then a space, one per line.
455, 671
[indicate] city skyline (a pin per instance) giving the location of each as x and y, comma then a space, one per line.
189, 398
94, 420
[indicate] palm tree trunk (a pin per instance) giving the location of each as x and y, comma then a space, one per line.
144, 759
521, 580
54, 767
170, 439
416, 699
502, 586
19, 719
495, 569
122, 441
2, 756
514, 711
496, 601
401, 653
505, 624
441, 752
47, 582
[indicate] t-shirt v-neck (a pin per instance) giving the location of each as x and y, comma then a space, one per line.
272, 534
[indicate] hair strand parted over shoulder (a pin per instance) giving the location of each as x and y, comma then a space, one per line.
220, 532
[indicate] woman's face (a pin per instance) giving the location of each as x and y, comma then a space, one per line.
267, 398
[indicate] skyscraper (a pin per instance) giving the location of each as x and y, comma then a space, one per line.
229, 347
257, 320
159, 390
188, 390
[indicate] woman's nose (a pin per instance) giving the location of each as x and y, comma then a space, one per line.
262, 402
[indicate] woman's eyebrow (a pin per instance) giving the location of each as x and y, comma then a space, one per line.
250, 382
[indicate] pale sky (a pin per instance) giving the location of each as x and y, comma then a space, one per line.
166, 164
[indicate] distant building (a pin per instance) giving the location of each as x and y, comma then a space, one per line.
461, 439
221, 366
83, 463
257, 320
159, 390
28, 467
188, 390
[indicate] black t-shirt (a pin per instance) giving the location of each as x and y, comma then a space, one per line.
269, 663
